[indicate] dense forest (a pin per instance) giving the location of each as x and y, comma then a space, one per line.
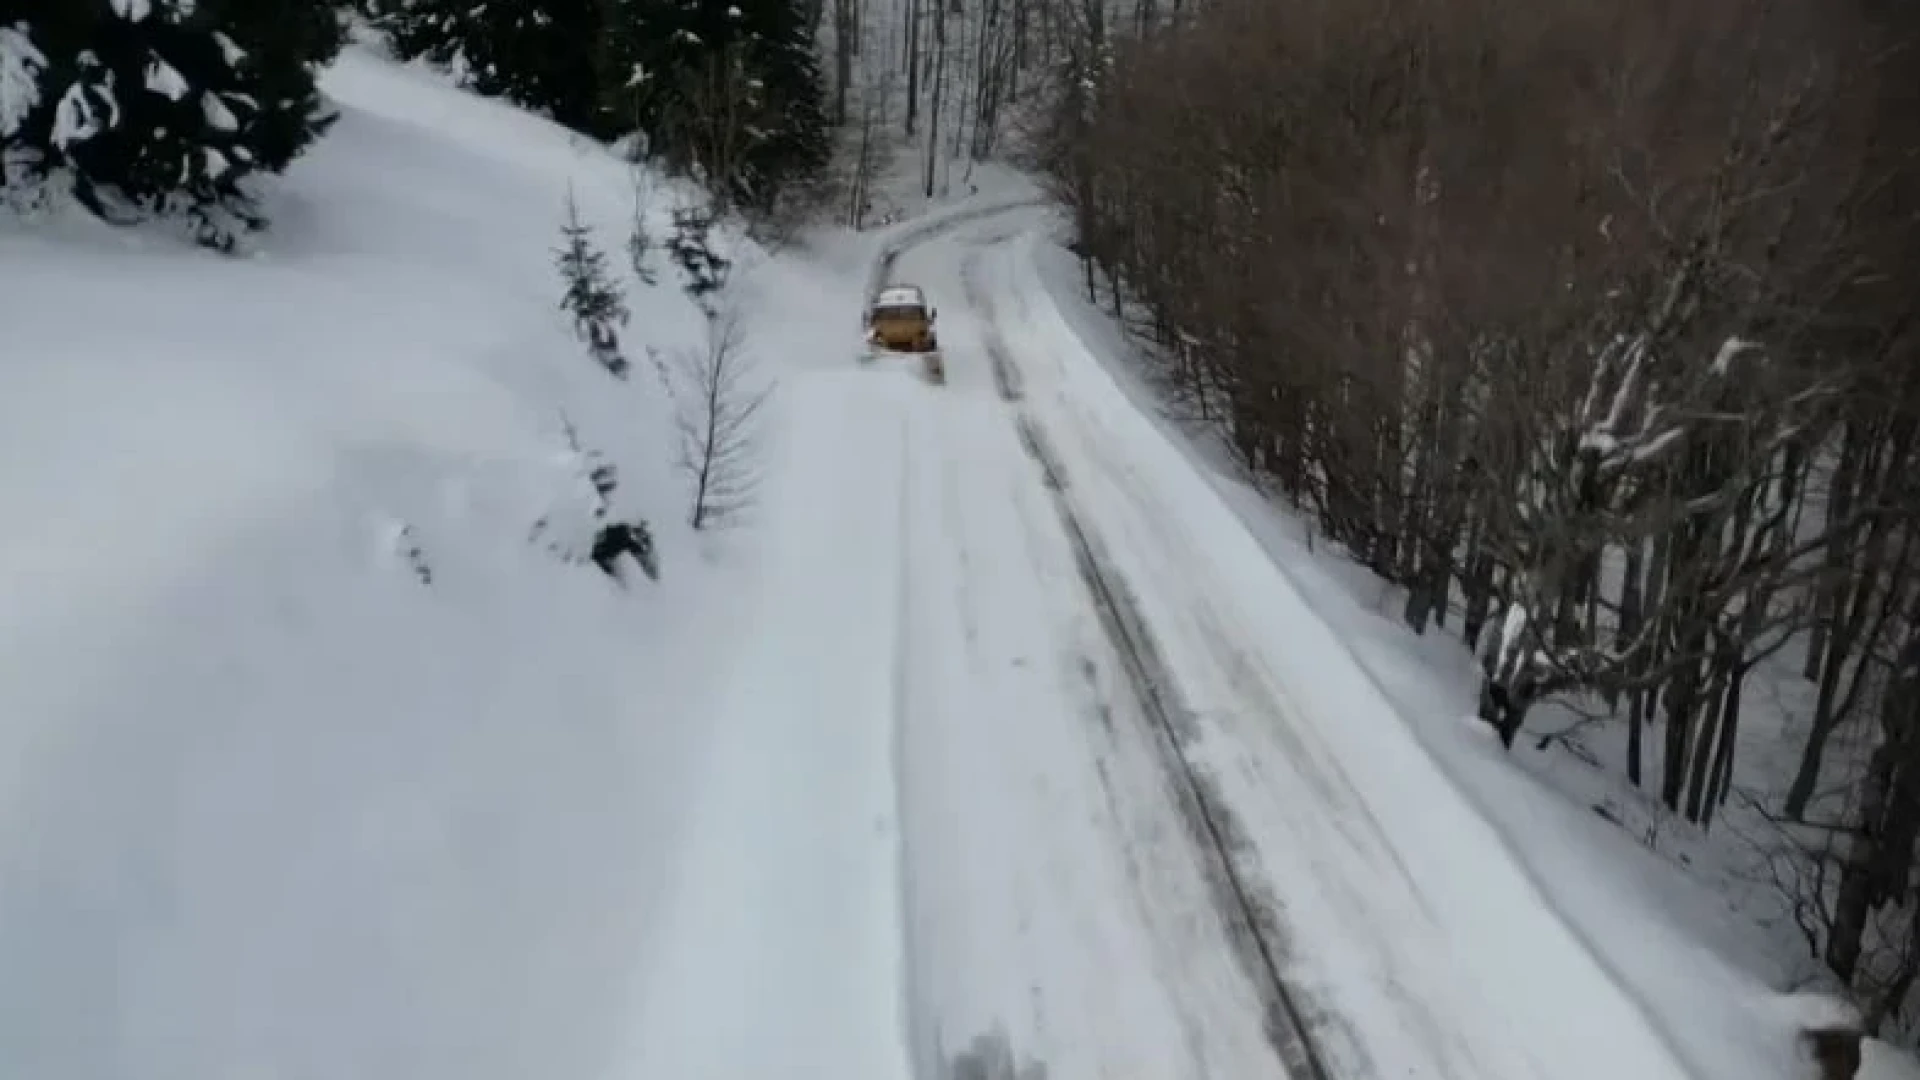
1592, 326
171, 109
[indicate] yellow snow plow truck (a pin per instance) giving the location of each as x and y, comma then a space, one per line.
900, 321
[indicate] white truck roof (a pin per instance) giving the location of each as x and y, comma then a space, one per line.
898, 296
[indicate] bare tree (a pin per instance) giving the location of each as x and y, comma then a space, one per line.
1594, 324
937, 92
869, 148
910, 59
846, 46
717, 405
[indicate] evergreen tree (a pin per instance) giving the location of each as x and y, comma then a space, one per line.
726, 89
794, 137
540, 54
21, 66
162, 106
591, 297
703, 270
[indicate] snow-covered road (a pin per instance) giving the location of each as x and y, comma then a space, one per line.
1066, 780
1056, 906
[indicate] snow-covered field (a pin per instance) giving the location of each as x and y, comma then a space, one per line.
1002, 739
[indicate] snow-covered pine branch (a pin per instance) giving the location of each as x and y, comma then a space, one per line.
163, 108
590, 296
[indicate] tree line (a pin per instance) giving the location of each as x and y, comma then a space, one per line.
729, 91
144, 109
1591, 324
952, 79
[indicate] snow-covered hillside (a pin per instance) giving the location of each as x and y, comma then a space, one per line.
324, 752
1006, 740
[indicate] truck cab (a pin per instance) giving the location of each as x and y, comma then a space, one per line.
901, 320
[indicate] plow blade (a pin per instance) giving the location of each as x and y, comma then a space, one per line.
933, 366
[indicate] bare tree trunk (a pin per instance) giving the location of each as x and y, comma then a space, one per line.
936, 91
1628, 629
1478, 583
1877, 866
1720, 782
1826, 589
913, 64
1681, 697
846, 34
1846, 636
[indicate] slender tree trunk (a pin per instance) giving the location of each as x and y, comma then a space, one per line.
1827, 589
1721, 781
1844, 639
845, 42
913, 64
1707, 743
1478, 584
937, 58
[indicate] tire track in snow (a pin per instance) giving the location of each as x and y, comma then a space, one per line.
1249, 919
988, 1055
1255, 691
1252, 925
1006, 374
921, 1039
1253, 929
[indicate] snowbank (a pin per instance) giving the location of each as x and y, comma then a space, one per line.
320, 760
1879, 1061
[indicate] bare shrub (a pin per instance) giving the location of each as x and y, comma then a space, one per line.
717, 405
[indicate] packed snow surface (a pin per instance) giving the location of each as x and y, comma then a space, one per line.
994, 743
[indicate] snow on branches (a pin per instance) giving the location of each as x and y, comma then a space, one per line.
162, 108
